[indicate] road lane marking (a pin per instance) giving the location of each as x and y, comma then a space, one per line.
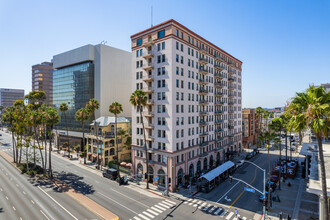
188, 201
170, 201
201, 206
20, 218
33, 202
212, 209
195, 205
1, 189
255, 175
14, 208
24, 193
118, 203
218, 211
7, 197
149, 215
229, 215
142, 216
131, 198
164, 205
227, 192
137, 218
43, 214
57, 203
160, 211
17, 185
167, 203
152, 212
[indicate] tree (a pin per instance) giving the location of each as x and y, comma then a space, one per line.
259, 111
8, 118
1, 112
277, 124
91, 106
139, 99
35, 118
267, 137
63, 108
52, 118
116, 108
83, 115
312, 108
36, 98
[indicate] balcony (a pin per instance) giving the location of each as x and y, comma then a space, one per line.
202, 71
231, 64
203, 91
202, 113
231, 72
149, 126
231, 79
218, 130
148, 55
231, 142
231, 87
219, 139
218, 112
231, 95
219, 84
203, 134
202, 61
150, 138
231, 103
203, 155
217, 93
202, 50
150, 102
219, 67
219, 75
204, 143
203, 81
219, 148
203, 102
219, 103
202, 123
219, 121
148, 78
230, 126
149, 43
148, 66
230, 135
148, 90
148, 114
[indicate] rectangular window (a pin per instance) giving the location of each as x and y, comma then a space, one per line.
182, 59
177, 45
182, 72
188, 50
137, 53
163, 83
177, 96
158, 71
163, 58
163, 96
161, 33
158, 59
158, 47
176, 58
177, 33
182, 47
163, 70
163, 45
177, 70
177, 83
139, 42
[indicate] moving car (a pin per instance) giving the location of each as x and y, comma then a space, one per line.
239, 163
110, 173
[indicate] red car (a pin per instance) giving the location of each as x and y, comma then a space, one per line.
274, 178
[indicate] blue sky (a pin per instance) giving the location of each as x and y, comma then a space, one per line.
284, 45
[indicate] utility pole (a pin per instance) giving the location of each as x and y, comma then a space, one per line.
166, 190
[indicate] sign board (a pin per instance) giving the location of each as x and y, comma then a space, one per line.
156, 178
249, 190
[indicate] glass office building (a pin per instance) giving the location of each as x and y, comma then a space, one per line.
73, 85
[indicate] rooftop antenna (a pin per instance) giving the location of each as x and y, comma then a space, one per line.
151, 16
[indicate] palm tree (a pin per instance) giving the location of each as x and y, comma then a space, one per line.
35, 118
116, 108
64, 108
312, 108
8, 118
267, 137
83, 115
139, 99
91, 106
52, 118
277, 124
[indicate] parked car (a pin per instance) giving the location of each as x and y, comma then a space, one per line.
272, 186
248, 156
261, 197
274, 178
239, 163
110, 173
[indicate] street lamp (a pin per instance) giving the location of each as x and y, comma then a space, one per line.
264, 170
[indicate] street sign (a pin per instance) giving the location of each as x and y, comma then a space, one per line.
156, 178
249, 190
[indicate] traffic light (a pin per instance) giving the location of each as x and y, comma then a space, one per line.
230, 179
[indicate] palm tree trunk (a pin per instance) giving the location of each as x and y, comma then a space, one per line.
323, 179
145, 147
34, 153
117, 154
13, 143
42, 157
45, 146
50, 172
83, 149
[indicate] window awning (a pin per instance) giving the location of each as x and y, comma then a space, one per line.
218, 171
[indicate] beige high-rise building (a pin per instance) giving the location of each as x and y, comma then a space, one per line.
42, 80
193, 114
9, 96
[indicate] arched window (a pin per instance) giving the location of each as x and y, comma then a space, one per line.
140, 170
191, 170
112, 151
218, 158
112, 143
180, 176
199, 166
112, 129
205, 164
211, 161
161, 175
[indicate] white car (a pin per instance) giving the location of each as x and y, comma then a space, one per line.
239, 163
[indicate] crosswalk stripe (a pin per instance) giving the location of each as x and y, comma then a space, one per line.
170, 201
142, 216
154, 213
137, 218
167, 203
217, 211
244, 218
201, 206
192, 202
160, 207
154, 208
230, 215
212, 209
149, 215
195, 205
166, 206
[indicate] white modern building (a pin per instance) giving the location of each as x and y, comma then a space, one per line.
193, 115
101, 72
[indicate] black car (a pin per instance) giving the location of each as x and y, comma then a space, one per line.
249, 156
110, 173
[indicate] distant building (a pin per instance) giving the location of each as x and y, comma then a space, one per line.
249, 127
42, 80
9, 96
107, 140
101, 72
326, 86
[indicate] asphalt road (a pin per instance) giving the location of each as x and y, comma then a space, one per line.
21, 198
